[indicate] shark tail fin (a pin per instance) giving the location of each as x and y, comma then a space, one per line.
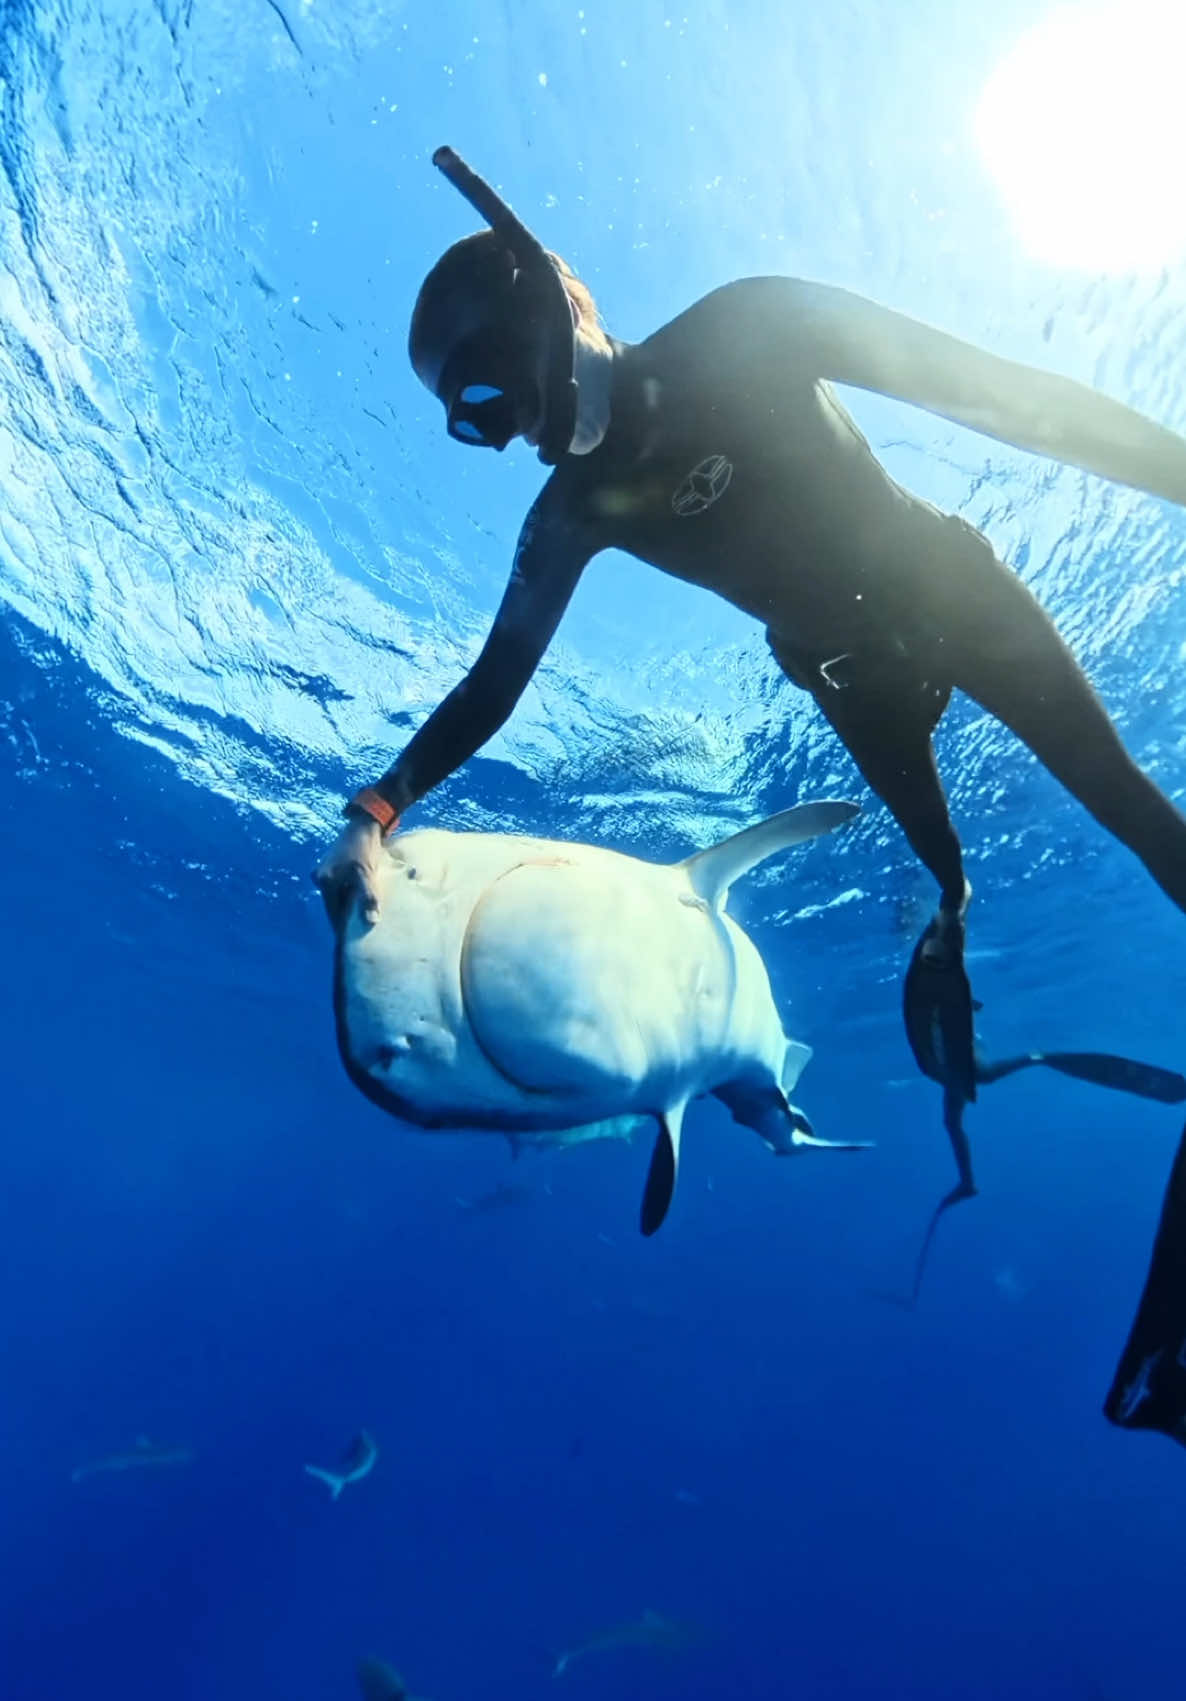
714, 870
332, 1481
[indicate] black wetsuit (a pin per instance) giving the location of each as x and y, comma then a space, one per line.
729, 463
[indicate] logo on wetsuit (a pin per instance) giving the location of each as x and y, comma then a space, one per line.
704, 485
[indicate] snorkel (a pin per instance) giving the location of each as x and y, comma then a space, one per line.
559, 390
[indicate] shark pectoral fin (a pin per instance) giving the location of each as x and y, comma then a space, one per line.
714, 870
661, 1177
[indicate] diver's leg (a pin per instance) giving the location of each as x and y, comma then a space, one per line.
885, 712
1013, 662
886, 727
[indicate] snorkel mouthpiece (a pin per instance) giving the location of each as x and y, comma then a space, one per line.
558, 390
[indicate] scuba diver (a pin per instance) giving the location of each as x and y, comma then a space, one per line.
717, 451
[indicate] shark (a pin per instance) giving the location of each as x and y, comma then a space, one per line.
500, 1197
358, 1461
144, 1455
378, 1682
541, 988
650, 1630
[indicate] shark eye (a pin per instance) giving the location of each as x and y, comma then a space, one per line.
384, 1056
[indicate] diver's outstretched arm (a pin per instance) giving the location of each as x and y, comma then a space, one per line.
549, 559
858, 342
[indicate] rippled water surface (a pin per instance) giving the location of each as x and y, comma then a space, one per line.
239, 563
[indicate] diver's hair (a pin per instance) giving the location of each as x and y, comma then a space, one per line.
589, 323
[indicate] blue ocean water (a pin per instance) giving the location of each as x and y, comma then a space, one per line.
240, 561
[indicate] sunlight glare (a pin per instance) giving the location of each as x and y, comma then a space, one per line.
1080, 126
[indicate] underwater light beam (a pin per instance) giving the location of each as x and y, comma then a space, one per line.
1080, 128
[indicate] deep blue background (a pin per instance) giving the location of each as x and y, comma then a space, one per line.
239, 561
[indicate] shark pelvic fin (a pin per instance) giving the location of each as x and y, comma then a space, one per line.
661, 1177
795, 1060
714, 870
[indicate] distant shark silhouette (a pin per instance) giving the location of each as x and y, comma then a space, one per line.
358, 1461
651, 1630
498, 1198
145, 1455
377, 1682
541, 988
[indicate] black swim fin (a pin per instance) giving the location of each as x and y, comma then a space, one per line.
1100, 1068
1149, 1388
937, 1008
965, 1188
1123, 1074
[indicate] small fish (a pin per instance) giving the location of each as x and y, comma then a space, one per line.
142, 1456
652, 1630
1008, 1284
358, 1461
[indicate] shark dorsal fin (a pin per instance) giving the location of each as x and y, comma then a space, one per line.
714, 870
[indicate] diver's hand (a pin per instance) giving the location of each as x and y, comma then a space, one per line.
349, 871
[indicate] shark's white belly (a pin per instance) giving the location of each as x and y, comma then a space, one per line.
521, 982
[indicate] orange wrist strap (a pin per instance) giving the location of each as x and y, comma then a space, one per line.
375, 805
